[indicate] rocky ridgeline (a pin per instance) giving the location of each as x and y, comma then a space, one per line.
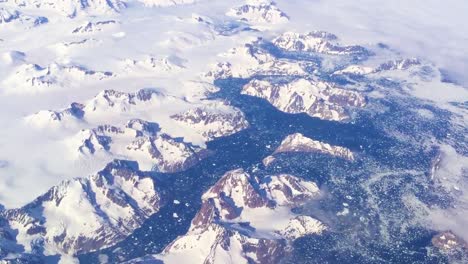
314, 98
94, 27
449, 243
252, 60
318, 42
33, 78
106, 103
245, 219
259, 11
72, 8
152, 65
260, 57
393, 65
298, 143
141, 141
213, 122
11, 16
83, 214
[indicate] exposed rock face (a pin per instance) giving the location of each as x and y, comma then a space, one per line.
299, 143
7, 242
448, 242
50, 118
7, 16
153, 65
213, 122
316, 41
256, 59
315, 98
299, 226
356, 70
107, 102
251, 60
93, 27
165, 154
259, 11
72, 7
221, 70
402, 64
90, 142
238, 192
10, 16
32, 78
232, 194
88, 213
10, 251
217, 244
245, 220
120, 101
140, 141
287, 190
394, 65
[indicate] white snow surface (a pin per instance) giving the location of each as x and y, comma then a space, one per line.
165, 3
78, 213
45, 68
259, 11
315, 98
118, 46
265, 224
300, 143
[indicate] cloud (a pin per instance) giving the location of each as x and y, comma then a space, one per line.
451, 177
431, 29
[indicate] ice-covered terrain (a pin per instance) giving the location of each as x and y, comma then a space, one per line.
243, 131
243, 220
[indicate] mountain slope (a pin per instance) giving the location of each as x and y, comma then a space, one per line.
245, 220
84, 214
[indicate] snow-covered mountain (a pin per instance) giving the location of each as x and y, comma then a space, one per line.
7, 241
106, 104
165, 3
298, 143
315, 98
139, 141
51, 118
316, 41
213, 121
259, 11
72, 8
13, 57
7, 16
393, 65
93, 27
33, 78
168, 95
16, 17
449, 242
153, 145
150, 65
245, 220
251, 60
87, 213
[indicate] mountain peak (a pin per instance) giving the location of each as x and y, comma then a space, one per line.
259, 11
316, 41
